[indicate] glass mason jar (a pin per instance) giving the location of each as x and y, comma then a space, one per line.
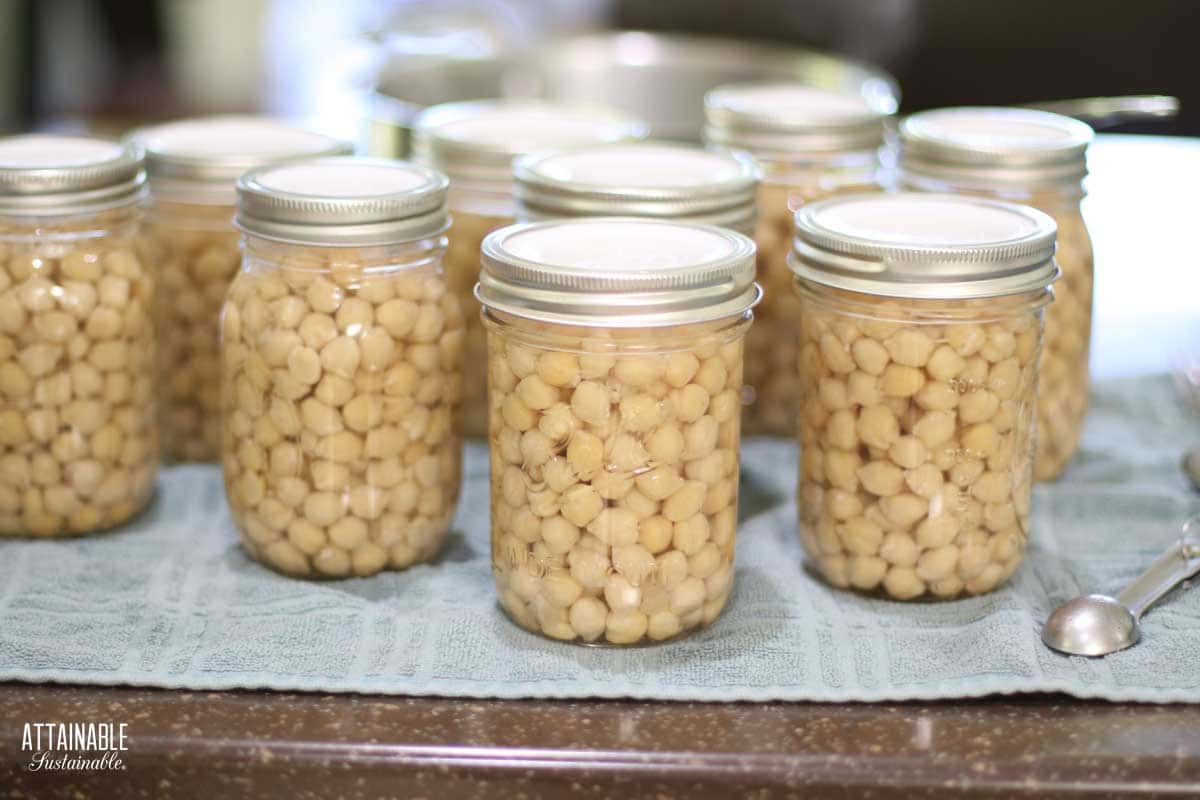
190, 242
342, 368
615, 374
639, 179
475, 143
922, 320
78, 435
1039, 159
810, 143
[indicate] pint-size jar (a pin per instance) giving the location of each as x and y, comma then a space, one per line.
190, 242
78, 432
615, 372
475, 143
341, 354
811, 143
639, 179
1039, 159
921, 323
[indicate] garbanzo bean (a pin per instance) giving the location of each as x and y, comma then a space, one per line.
822, 144
917, 480
192, 246
337, 446
342, 449
1037, 158
666, 465
467, 232
475, 144
622, 427
78, 433
1064, 380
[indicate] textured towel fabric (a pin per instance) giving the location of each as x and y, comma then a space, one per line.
171, 601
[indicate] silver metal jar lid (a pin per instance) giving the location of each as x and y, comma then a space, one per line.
198, 160
924, 245
50, 174
342, 202
618, 272
640, 179
986, 147
781, 120
477, 141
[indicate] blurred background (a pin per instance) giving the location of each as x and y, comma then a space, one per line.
108, 65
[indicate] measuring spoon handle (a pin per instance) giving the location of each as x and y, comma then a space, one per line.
1173, 567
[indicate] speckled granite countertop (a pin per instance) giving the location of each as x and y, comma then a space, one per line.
251, 744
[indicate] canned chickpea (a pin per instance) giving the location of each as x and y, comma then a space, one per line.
78, 435
475, 143
190, 242
810, 143
342, 368
922, 320
1037, 158
615, 373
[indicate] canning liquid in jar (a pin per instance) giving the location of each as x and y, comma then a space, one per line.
615, 371
78, 432
922, 320
474, 143
1036, 158
810, 143
190, 243
342, 368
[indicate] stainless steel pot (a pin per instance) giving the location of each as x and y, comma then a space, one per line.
660, 77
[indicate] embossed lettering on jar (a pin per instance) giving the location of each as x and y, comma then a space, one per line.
342, 369
614, 382
78, 434
810, 143
190, 243
475, 143
921, 329
1037, 158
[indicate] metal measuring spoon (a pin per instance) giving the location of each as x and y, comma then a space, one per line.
1096, 625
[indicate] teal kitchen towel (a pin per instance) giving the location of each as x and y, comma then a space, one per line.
171, 601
